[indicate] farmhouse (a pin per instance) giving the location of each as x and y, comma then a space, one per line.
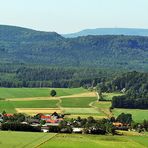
54, 118
118, 124
8, 115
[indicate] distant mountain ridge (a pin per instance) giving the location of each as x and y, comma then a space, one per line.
25, 46
109, 31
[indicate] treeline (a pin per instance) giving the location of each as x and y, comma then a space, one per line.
44, 76
135, 87
125, 102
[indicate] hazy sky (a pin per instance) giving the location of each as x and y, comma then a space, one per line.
64, 16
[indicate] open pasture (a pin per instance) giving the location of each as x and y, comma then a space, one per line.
82, 102
37, 92
137, 114
9, 139
92, 141
9, 106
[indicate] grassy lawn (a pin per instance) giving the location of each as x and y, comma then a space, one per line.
9, 139
9, 106
37, 92
35, 104
22, 139
77, 102
137, 114
92, 141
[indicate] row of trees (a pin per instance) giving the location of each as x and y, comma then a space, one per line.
125, 102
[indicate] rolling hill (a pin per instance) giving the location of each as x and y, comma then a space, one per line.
26, 46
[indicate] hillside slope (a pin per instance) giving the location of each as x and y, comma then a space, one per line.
20, 45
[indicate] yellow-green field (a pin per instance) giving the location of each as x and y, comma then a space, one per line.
37, 92
51, 140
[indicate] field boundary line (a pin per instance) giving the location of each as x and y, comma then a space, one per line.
46, 141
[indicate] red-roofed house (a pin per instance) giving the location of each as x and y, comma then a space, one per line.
8, 115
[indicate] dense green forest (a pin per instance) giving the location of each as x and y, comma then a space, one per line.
135, 88
14, 75
25, 46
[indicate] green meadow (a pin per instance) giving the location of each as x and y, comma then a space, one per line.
137, 114
82, 102
37, 92
9, 139
9, 106
92, 141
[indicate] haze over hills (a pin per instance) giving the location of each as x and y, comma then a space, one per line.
109, 31
21, 45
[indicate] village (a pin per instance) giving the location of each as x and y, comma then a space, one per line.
57, 123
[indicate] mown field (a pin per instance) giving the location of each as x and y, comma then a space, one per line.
82, 102
9, 139
45, 140
37, 92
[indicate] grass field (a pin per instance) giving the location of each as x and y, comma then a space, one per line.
137, 114
22, 139
9, 106
91, 141
10, 139
37, 92
102, 104
35, 104
82, 102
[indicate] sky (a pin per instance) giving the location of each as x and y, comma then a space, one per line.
67, 16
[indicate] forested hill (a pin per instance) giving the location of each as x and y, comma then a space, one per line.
26, 46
